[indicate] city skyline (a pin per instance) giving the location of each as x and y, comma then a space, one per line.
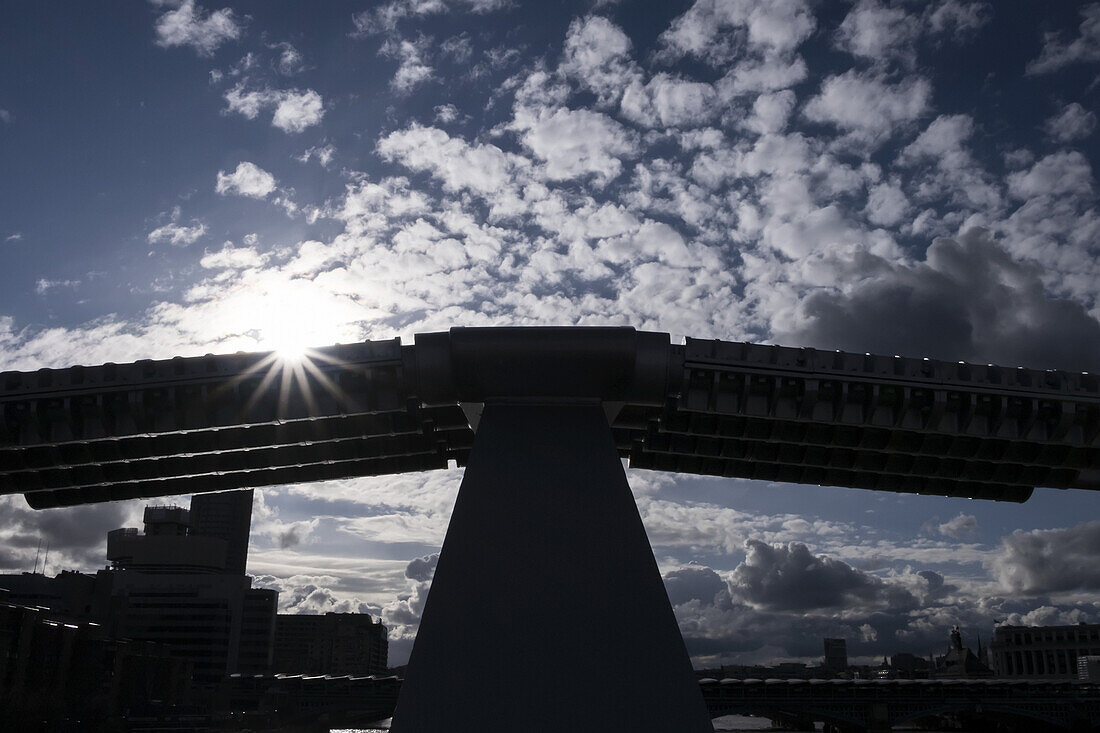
870, 176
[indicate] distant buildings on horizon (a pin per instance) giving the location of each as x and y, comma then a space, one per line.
182, 584
1036, 652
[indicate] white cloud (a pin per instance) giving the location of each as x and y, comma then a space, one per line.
232, 258
481, 168
247, 180
446, 113
1064, 172
769, 74
713, 30
575, 143
1050, 560
290, 59
886, 204
959, 18
597, 54
294, 109
669, 102
459, 48
14, 237
1073, 123
189, 25
1057, 53
177, 234
960, 526
298, 110
770, 112
385, 17
413, 68
878, 32
869, 105
6, 117
322, 153
42, 286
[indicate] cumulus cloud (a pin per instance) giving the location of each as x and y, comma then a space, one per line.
694, 583
967, 300
666, 101
867, 104
414, 68
1058, 52
422, 569
960, 526
297, 110
385, 17
190, 25
787, 578
175, 233
714, 31
481, 168
247, 180
876, 31
574, 143
958, 17
232, 258
1064, 172
294, 110
597, 54
1050, 560
290, 61
1073, 123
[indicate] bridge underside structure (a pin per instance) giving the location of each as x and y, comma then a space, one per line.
542, 416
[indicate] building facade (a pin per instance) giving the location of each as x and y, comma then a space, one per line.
1049, 652
333, 644
836, 655
228, 516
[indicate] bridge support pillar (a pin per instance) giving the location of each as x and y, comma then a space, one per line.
547, 611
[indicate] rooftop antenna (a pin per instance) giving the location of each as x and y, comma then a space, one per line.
46, 558
36, 553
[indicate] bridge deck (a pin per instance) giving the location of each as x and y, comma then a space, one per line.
187, 425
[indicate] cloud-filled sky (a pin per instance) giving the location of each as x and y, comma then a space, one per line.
910, 178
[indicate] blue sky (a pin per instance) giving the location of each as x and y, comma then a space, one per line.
895, 177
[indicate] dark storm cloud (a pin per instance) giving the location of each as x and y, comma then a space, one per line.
694, 583
790, 577
79, 534
969, 300
421, 569
1050, 560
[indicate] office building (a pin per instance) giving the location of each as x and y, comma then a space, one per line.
1050, 652
181, 588
836, 655
333, 644
228, 516
67, 595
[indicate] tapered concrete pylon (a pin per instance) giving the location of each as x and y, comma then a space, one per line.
547, 611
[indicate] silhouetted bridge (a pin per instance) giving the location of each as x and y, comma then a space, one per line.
844, 706
540, 418
870, 706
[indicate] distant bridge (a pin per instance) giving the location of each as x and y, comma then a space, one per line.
844, 706
874, 706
